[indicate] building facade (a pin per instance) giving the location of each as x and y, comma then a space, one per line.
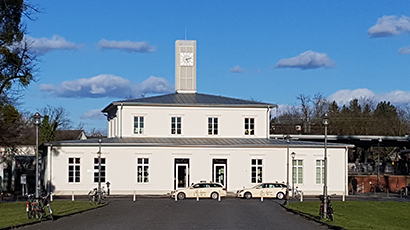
157, 144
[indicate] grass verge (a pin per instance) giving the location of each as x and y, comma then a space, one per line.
363, 214
14, 213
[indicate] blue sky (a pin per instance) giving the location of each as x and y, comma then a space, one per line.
95, 52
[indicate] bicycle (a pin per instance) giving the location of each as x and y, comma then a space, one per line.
329, 208
297, 193
36, 207
96, 197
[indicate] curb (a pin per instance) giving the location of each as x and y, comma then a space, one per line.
57, 217
311, 217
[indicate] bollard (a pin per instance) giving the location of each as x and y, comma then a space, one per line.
197, 195
176, 196
301, 196
72, 196
134, 197
406, 191
219, 197
261, 196
343, 196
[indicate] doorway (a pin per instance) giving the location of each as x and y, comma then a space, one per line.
181, 173
219, 174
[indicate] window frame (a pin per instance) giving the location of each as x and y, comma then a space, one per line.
213, 127
103, 170
137, 125
174, 125
143, 175
76, 170
297, 171
320, 178
249, 126
256, 176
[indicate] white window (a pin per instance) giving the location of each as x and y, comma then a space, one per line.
256, 171
142, 170
297, 171
212, 126
249, 126
138, 125
103, 172
320, 171
74, 169
176, 125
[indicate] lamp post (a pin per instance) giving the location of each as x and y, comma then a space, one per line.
37, 118
99, 166
325, 123
293, 179
287, 169
378, 164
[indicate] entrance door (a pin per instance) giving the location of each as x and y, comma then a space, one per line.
182, 175
220, 173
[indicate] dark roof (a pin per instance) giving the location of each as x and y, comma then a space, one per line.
191, 99
62, 135
195, 142
363, 141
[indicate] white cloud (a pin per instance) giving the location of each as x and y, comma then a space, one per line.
404, 50
236, 69
307, 60
343, 97
107, 85
390, 26
155, 85
129, 46
94, 114
45, 45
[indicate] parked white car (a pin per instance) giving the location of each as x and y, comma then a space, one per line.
268, 190
201, 190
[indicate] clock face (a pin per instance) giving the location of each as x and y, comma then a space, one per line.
186, 59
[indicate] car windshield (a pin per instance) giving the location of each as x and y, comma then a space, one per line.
258, 186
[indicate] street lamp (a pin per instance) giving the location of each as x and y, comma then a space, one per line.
287, 169
99, 166
378, 164
293, 175
37, 118
325, 123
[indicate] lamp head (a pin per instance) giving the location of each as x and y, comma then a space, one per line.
325, 118
37, 118
293, 155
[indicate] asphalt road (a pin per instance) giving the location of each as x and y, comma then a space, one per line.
163, 213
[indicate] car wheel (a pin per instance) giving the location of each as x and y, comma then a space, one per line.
181, 196
280, 195
248, 195
214, 195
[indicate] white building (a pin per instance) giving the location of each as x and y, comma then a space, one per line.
157, 144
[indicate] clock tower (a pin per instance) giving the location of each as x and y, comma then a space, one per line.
185, 66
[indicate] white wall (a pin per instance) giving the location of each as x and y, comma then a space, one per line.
194, 121
121, 167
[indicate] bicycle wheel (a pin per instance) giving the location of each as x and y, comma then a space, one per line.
91, 197
330, 212
30, 214
321, 211
50, 212
98, 198
38, 211
104, 195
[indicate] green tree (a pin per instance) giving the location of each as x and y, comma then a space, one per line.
17, 63
387, 119
53, 118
